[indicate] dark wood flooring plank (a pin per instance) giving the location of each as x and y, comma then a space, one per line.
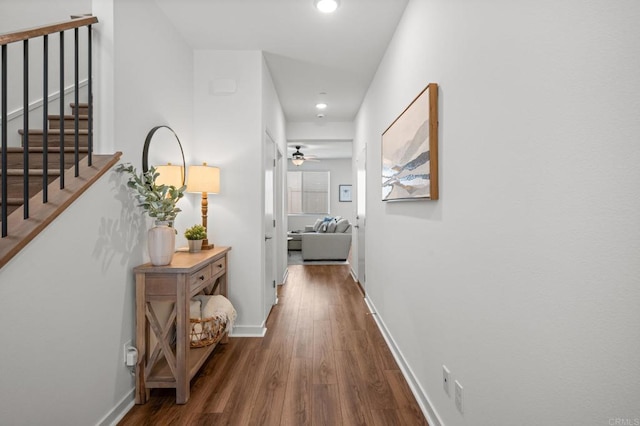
339, 327
407, 404
326, 405
353, 400
269, 399
386, 418
296, 410
382, 351
303, 343
378, 393
324, 366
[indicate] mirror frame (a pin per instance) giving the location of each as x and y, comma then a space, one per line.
147, 143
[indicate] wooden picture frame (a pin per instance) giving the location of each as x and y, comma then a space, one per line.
344, 193
410, 151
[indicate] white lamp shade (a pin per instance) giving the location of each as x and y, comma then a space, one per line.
203, 179
170, 175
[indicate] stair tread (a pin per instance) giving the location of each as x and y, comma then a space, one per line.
54, 131
39, 149
11, 201
32, 172
68, 117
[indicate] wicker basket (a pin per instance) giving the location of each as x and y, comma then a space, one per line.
210, 331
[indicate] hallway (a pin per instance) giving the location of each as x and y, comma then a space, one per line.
322, 362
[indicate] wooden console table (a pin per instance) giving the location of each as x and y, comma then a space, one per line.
166, 365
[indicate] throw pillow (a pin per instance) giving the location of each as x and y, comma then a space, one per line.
331, 227
317, 225
342, 226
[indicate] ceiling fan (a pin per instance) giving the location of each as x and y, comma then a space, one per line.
297, 158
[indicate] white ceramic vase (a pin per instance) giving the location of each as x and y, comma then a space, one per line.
194, 246
162, 243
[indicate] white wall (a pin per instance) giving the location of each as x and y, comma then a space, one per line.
523, 277
340, 174
68, 298
229, 134
320, 130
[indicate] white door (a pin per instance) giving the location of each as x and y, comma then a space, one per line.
269, 226
361, 198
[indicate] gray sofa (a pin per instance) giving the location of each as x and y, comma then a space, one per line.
328, 242
319, 246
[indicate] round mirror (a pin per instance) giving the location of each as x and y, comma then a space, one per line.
161, 147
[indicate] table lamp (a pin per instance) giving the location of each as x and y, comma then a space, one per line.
170, 175
206, 180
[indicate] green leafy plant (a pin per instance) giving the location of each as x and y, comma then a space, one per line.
196, 232
158, 201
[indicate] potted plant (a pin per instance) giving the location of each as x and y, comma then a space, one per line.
194, 236
159, 202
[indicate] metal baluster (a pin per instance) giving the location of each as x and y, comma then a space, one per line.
4, 140
61, 109
25, 120
90, 97
76, 121
45, 123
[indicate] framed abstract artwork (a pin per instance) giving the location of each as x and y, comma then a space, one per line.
410, 151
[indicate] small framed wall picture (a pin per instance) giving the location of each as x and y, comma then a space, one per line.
344, 193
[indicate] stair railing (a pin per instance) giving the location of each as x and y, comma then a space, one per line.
24, 36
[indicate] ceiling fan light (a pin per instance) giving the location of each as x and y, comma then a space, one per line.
326, 6
297, 161
321, 105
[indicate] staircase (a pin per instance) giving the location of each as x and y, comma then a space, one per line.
43, 211
55, 176
35, 149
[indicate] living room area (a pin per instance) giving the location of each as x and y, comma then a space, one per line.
320, 202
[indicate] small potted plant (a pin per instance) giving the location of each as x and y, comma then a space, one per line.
195, 235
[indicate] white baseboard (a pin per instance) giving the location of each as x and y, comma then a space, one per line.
423, 400
353, 275
248, 331
119, 411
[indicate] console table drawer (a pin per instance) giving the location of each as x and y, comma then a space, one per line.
219, 267
200, 276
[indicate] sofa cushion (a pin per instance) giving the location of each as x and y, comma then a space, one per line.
342, 225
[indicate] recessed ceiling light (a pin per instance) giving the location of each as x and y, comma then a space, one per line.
321, 105
326, 6
320, 115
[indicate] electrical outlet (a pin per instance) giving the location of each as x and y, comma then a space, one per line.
446, 377
459, 399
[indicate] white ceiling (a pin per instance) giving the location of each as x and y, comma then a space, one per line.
307, 52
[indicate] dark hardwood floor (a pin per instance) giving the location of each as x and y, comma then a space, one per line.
322, 362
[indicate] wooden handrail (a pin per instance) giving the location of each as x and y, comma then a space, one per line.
26, 34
